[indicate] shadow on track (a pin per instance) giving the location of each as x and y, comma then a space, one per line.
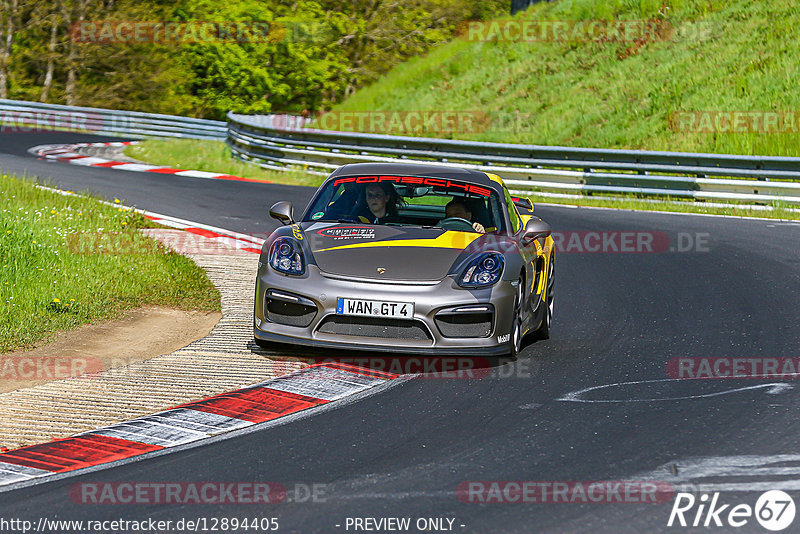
424, 365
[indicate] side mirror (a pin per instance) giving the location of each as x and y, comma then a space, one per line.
534, 229
523, 203
283, 212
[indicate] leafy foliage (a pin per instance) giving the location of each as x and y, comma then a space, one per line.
314, 53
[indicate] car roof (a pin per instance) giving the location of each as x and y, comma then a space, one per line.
415, 169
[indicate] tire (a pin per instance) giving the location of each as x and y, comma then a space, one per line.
543, 332
515, 343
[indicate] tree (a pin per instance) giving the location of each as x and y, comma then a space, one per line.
8, 26
316, 52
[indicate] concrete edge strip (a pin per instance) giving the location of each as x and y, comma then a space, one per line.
305, 389
232, 433
66, 153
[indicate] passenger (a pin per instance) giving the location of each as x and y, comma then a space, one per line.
457, 208
380, 204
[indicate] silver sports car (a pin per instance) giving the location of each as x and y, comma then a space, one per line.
407, 259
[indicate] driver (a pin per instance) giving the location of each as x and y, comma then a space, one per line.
379, 204
457, 208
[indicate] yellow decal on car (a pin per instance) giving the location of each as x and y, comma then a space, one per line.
495, 178
449, 239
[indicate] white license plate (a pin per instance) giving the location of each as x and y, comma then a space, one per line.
375, 308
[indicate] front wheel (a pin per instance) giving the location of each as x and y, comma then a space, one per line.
543, 332
516, 329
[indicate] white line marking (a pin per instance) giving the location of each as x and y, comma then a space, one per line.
10, 473
682, 474
139, 167
206, 422
151, 432
199, 174
89, 160
574, 396
322, 383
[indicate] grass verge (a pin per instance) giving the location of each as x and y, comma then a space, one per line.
55, 274
713, 57
773, 211
211, 156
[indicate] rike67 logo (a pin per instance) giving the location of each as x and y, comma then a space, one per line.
774, 510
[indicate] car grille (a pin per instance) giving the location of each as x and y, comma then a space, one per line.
289, 313
477, 324
372, 327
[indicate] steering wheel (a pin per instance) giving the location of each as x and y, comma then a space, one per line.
457, 224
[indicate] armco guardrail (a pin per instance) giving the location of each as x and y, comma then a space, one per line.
21, 116
282, 141
276, 142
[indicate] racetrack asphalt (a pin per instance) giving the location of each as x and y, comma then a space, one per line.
619, 318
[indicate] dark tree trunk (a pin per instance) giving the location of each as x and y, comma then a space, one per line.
520, 5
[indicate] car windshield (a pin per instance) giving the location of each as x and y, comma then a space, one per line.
409, 201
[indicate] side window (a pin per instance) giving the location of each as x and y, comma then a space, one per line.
498, 218
513, 216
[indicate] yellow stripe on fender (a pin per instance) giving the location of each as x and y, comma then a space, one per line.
494, 178
450, 239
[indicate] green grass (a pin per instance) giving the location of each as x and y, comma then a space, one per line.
777, 211
722, 55
54, 278
211, 156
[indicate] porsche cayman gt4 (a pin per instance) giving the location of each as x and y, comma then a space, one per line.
407, 259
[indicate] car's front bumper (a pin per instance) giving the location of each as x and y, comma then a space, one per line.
432, 300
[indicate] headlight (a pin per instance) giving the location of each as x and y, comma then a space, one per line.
485, 270
286, 257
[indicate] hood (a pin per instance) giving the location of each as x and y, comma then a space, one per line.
404, 253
